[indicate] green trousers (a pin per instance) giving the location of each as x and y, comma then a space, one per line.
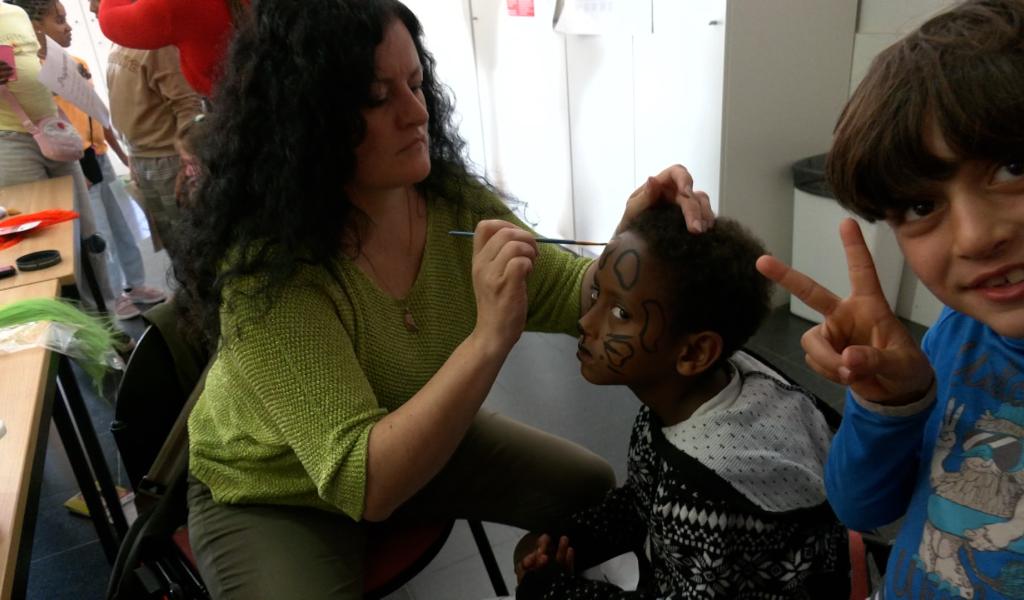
503, 472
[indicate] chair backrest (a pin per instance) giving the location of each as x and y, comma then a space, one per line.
161, 374
149, 399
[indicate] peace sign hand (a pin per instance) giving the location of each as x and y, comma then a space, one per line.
861, 343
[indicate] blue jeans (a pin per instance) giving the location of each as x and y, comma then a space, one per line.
21, 161
109, 195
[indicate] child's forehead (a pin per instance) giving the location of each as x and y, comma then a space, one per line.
624, 261
935, 141
627, 241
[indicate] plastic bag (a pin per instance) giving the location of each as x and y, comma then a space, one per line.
56, 337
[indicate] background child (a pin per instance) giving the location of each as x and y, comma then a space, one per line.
724, 494
185, 143
933, 142
128, 273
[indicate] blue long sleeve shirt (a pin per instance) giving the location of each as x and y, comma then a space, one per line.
954, 468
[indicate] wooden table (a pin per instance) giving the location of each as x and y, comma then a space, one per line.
27, 383
33, 197
35, 386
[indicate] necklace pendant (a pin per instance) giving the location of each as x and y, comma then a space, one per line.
410, 323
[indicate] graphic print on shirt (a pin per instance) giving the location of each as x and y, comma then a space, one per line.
972, 545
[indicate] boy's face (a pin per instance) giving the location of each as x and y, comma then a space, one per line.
965, 239
624, 335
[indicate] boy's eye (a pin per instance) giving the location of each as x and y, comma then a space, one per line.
918, 210
620, 313
1009, 171
594, 293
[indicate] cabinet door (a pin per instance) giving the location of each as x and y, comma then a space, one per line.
601, 126
640, 103
520, 67
678, 91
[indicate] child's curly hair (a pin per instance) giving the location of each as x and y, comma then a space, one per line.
187, 142
36, 9
711, 281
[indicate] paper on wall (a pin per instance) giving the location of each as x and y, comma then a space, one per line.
60, 74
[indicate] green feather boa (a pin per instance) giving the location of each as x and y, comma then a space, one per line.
91, 338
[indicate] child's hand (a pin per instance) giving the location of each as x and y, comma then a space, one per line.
535, 559
861, 343
540, 556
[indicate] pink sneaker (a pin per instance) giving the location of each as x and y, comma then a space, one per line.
146, 295
125, 309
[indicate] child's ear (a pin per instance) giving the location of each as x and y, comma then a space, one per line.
698, 353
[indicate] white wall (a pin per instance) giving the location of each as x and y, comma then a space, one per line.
786, 79
880, 24
524, 103
678, 84
448, 36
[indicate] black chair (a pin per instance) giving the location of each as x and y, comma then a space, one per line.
155, 559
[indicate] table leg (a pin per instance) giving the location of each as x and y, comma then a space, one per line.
87, 461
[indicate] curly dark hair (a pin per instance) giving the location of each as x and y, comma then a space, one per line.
36, 9
279, 146
711, 282
962, 70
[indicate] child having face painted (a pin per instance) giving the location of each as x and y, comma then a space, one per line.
725, 494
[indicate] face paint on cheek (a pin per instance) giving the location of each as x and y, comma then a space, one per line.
618, 349
654, 325
627, 269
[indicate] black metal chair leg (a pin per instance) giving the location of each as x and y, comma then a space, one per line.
483, 545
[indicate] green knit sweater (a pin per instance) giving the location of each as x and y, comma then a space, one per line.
286, 413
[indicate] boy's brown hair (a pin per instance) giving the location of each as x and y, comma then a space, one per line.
963, 72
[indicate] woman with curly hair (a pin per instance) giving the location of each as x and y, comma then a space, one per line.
355, 339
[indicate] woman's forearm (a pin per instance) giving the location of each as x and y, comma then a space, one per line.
409, 446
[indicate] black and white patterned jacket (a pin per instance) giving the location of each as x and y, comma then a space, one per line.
727, 504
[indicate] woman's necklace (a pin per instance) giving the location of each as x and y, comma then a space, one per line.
407, 319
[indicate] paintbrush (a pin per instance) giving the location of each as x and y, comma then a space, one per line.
540, 240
